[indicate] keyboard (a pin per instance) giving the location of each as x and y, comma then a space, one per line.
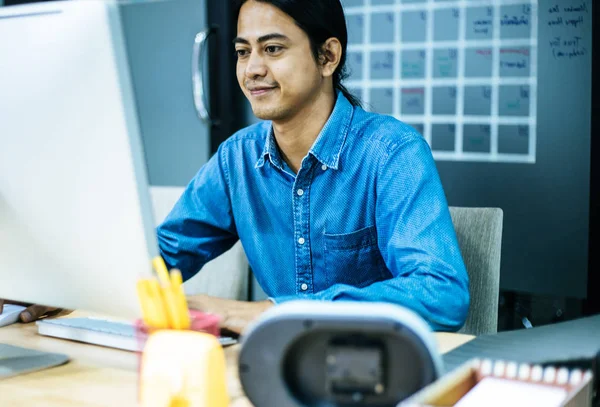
97, 331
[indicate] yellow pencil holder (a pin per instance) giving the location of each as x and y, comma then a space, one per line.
182, 368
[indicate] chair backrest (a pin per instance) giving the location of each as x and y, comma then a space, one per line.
479, 233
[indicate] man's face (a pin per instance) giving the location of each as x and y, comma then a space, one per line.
276, 68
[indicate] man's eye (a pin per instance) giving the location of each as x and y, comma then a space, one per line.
241, 53
272, 49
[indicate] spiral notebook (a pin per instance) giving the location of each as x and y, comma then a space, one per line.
572, 344
499, 383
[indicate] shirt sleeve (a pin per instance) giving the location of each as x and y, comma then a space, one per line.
417, 241
200, 226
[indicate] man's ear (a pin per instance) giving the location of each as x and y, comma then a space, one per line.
330, 56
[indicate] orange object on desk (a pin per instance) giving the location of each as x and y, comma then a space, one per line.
182, 368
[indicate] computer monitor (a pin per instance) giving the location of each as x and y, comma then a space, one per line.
76, 228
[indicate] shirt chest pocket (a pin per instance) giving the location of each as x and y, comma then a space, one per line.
353, 258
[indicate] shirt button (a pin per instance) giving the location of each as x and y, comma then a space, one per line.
324, 167
301, 240
304, 287
300, 192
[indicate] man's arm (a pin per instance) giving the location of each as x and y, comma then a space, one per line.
200, 226
417, 241
34, 312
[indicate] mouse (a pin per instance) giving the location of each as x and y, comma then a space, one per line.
10, 314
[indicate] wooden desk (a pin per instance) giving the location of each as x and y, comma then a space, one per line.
98, 376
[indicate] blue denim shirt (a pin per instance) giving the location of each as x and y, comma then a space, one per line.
364, 219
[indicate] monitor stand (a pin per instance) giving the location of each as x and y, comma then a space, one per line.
15, 360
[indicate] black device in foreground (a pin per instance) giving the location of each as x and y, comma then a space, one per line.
308, 353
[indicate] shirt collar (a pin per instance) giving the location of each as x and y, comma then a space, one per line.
270, 150
329, 143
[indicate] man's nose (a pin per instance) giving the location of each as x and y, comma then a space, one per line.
256, 66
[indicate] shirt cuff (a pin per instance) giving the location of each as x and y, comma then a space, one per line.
285, 298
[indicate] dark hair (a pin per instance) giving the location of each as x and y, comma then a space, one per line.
320, 20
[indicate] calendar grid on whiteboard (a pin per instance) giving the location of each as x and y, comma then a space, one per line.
512, 98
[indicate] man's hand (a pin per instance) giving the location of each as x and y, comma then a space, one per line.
33, 312
235, 315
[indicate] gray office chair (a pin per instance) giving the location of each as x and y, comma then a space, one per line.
479, 232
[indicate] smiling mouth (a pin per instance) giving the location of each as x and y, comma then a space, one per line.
260, 91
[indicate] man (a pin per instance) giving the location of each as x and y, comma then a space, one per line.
330, 202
